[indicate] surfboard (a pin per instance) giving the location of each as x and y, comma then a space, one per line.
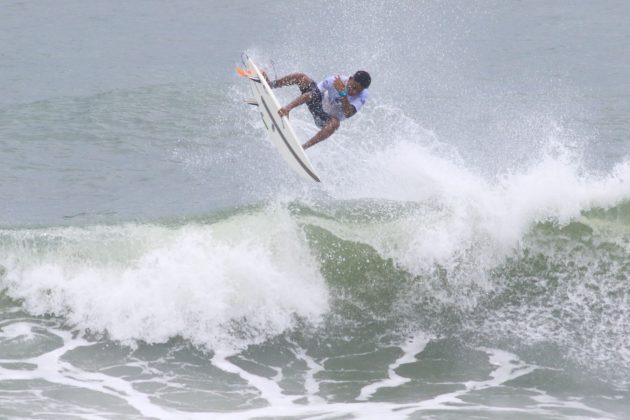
279, 129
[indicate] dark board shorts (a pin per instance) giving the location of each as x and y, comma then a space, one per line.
315, 105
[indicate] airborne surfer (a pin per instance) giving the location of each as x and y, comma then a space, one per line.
330, 101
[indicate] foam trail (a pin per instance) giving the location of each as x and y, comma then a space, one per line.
546, 401
268, 388
508, 367
52, 368
310, 383
410, 349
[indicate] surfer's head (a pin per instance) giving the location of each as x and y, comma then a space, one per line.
359, 81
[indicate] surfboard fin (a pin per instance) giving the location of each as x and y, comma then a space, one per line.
243, 72
251, 101
248, 73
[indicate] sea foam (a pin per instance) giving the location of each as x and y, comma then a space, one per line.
222, 285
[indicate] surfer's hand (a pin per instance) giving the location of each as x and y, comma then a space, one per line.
284, 112
338, 84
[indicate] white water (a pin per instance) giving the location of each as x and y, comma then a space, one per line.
455, 209
151, 283
225, 285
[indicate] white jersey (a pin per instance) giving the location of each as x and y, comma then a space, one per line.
331, 102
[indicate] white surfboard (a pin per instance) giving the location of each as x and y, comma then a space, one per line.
279, 128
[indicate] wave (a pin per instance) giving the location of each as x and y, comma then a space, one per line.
240, 280
407, 234
257, 272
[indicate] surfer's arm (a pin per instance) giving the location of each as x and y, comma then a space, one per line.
324, 133
347, 108
302, 99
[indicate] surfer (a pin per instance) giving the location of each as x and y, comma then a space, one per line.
330, 102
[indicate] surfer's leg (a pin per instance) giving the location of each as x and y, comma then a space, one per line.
331, 126
300, 79
311, 96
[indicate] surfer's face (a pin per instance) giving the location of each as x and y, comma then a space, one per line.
353, 87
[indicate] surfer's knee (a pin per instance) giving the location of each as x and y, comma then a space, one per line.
303, 79
333, 123
330, 127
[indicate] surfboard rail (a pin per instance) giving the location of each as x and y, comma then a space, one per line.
279, 128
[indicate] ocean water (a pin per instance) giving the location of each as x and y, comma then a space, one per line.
467, 254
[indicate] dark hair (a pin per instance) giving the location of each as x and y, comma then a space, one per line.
363, 78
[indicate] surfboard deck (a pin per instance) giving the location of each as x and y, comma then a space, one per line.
280, 131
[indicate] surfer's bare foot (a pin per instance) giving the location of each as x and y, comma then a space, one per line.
269, 82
